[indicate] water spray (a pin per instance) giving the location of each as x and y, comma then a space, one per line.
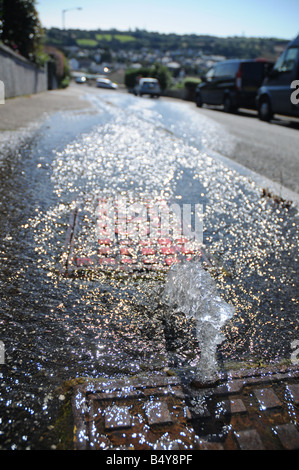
190, 289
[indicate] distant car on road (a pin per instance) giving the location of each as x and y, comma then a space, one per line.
275, 94
148, 86
233, 84
80, 80
106, 83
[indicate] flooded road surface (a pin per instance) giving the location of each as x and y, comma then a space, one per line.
56, 328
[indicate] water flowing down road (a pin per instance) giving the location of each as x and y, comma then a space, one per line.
107, 324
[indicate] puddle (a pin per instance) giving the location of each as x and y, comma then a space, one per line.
55, 328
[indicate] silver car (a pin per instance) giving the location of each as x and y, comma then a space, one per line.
106, 83
148, 86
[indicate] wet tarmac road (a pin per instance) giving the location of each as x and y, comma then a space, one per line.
269, 149
56, 329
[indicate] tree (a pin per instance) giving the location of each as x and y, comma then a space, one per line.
58, 62
21, 27
162, 74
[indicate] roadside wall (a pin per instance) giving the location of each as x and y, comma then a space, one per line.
180, 94
19, 76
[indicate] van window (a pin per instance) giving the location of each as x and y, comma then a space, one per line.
220, 70
210, 74
253, 71
231, 69
227, 69
287, 60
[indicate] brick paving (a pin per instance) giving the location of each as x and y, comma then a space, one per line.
255, 409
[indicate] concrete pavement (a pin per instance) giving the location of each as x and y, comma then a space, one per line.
19, 113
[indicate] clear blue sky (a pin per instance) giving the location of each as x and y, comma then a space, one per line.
265, 18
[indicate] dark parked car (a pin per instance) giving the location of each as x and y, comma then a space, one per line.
276, 93
233, 84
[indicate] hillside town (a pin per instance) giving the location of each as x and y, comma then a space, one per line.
178, 62
103, 52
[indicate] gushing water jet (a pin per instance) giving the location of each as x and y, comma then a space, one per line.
190, 289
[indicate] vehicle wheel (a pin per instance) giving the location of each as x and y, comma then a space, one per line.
265, 110
198, 100
227, 103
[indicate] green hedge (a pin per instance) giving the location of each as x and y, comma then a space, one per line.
190, 85
156, 71
132, 74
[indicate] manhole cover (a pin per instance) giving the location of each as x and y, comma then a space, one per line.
133, 414
249, 409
